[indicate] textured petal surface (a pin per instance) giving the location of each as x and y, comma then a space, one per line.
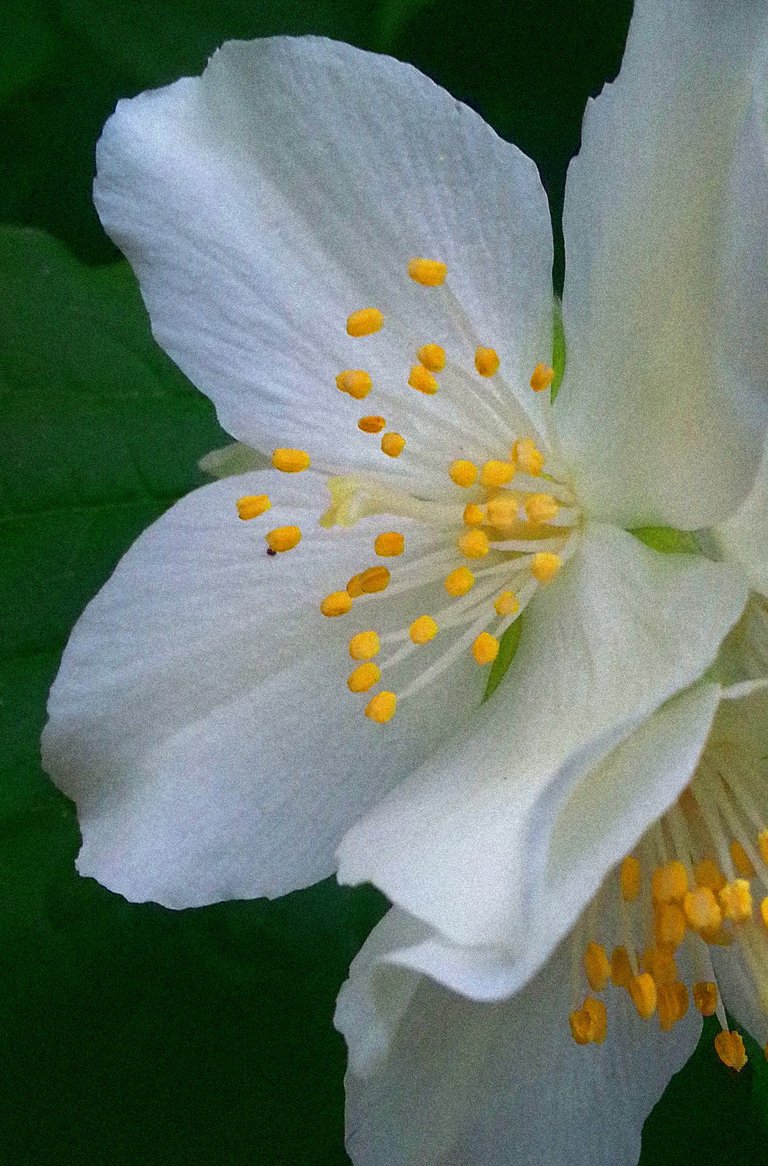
467, 1084
290, 186
743, 538
665, 303
619, 632
201, 719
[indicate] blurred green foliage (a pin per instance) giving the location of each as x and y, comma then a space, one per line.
131, 1034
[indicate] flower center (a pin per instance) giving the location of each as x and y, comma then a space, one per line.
499, 528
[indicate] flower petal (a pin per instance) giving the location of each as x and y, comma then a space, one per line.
666, 296
743, 538
201, 720
620, 631
290, 186
467, 1084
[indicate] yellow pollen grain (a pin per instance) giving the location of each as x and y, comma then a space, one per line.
485, 648
252, 505
597, 966
730, 1049
290, 461
736, 901
392, 444
473, 544
506, 604
528, 457
705, 997
669, 882
365, 322
542, 377
741, 861
621, 969
496, 473
371, 424
545, 565
630, 878
283, 538
389, 543
363, 677
423, 629
364, 645
427, 272
487, 361
541, 508
708, 874
355, 382
642, 989
432, 356
459, 582
421, 378
337, 603
702, 909
463, 473
474, 515
381, 708
762, 845
669, 925
374, 579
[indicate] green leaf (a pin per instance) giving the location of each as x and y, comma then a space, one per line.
29, 44
507, 649
667, 540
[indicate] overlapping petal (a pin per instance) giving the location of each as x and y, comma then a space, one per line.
743, 538
665, 303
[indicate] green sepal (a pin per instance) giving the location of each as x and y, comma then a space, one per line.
667, 540
507, 649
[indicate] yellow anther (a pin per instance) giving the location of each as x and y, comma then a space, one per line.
372, 580
496, 473
365, 322
528, 457
730, 1049
589, 1024
283, 538
459, 582
683, 1001
659, 963
487, 361
428, 272
503, 510
764, 911
474, 515
423, 629
392, 444
506, 604
363, 677
708, 874
389, 543
542, 377
621, 969
473, 543
669, 882
354, 587
463, 473
290, 461
421, 378
355, 382
545, 565
337, 603
381, 707
364, 645
581, 1026
762, 845
371, 424
432, 356
597, 966
252, 505
630, 878
642, 989
485, 648
541, 508
741, 861
736, 901
669, 925
705, 997
702, 909
667, 1006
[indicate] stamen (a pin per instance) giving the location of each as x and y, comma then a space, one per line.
705, 997
381, 708
372, 424
474, 544
730, 1049
597, 966
355, 382
487, 361
702, 909
642, 989
496, 473
542, 378
589, 1024
630, 878
389, 544
736, 901
621, 969
764, 911
364, 645
541, 508
708, 874
545, 565
473, 515
669, 926
252, 505
463, 473
485, 648
283, 538
290, 461
741, 861
363, 677
423, 629
528, 457
392, 444
432, 356
337, 603
762, 844
365, 322
459, 582
427, 272
368, 582
421, 379
506, 604
669, 882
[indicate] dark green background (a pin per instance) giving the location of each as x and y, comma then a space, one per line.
132, 1034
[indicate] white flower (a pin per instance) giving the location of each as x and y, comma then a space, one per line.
201, 718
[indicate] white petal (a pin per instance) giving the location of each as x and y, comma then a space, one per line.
743, 538
201, 719
666, 296
289, 186
467, 1084
618, 633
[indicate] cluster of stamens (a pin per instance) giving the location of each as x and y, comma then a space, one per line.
511, 529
